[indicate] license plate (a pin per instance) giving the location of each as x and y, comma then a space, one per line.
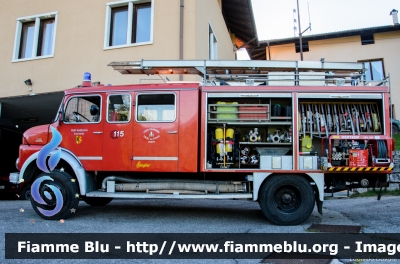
2, 187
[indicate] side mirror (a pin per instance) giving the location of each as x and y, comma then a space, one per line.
94, 110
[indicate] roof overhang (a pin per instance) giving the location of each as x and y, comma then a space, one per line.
239, 19
30, 110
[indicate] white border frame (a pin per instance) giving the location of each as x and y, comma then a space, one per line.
18, 29
130, 4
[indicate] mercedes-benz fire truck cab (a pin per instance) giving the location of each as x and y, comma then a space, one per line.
115, 139
280, 133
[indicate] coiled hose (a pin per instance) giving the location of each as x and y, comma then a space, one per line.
382, 149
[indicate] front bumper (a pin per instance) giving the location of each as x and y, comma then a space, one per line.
8, 186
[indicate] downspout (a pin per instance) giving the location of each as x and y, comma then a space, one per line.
269, 51
181, 35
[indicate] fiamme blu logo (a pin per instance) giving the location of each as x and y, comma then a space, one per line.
42, 191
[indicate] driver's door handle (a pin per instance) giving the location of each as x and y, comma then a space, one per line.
97, 132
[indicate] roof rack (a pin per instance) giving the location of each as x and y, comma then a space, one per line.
268, 72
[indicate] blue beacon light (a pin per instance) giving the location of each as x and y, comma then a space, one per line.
87, 77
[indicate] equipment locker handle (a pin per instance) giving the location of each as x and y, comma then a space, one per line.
340, 96
172, 132
98, 132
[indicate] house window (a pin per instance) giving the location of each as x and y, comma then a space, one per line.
46, 33
367, 39
35, 37
128, 23
212, 45
119, 26
156, 108
374, 70
143, 21
304, 45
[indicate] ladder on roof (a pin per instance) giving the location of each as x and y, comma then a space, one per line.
241, 70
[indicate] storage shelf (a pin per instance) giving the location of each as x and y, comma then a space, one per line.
331, 133
234, 122
281, 117
266, 143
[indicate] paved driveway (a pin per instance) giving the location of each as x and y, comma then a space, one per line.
192, 216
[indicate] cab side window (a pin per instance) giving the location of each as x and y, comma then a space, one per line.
119, 108
83, 109
156, 108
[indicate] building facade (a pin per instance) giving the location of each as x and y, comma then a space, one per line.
47, 46
54, 43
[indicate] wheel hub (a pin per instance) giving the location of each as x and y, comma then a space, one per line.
286, 199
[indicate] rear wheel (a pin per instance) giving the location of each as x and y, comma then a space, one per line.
287, 199
97, 201
395, 129
54, 195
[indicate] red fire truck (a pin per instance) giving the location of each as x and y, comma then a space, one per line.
278, 132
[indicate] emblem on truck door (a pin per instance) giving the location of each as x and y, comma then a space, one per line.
78, 139
151, 135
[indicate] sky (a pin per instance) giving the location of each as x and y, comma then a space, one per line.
274, 18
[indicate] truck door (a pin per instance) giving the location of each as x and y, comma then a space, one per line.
117, 149
82, 130
155, 132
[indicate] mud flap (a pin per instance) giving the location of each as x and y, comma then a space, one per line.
319, 204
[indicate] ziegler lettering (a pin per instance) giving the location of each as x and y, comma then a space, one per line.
142, 165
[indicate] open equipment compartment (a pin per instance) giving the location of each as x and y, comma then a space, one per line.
344, 134
246, 132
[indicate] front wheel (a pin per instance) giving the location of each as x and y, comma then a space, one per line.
54, 195
286, 199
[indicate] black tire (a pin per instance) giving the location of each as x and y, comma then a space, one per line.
54, 195
395, 129
25, 193
286, 199
97, 201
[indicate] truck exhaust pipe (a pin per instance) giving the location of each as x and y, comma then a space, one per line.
187, 186
143, 185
